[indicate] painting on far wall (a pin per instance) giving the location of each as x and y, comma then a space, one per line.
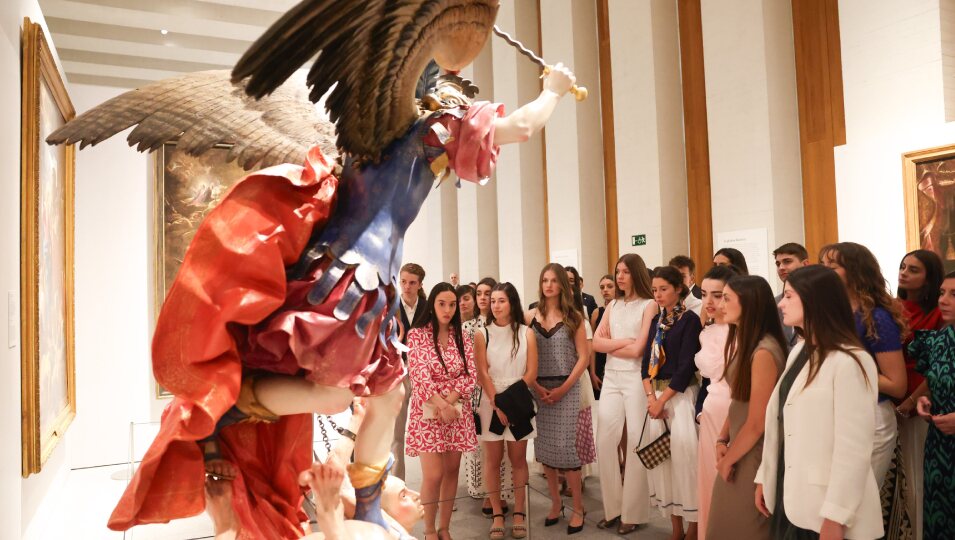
929, 193
48, 382
187, 189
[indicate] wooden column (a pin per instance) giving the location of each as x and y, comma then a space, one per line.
700, 212
607, 126
822, 124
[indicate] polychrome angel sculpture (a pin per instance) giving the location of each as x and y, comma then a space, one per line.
283, 305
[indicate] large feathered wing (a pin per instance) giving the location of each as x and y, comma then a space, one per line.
370, 55
204, 109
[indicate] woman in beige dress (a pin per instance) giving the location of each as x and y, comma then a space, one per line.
755, 360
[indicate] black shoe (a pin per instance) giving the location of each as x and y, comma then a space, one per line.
553, 521
574, 529
608, 523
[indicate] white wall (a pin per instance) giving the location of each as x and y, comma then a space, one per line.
892, 56
753, 121
648, 129
113, 313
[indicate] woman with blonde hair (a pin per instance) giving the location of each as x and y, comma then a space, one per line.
563, 356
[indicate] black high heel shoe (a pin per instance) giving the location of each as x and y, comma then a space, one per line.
574, 529
553, 521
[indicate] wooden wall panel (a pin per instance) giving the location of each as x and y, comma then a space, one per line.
696, 135
821, 114
607, 127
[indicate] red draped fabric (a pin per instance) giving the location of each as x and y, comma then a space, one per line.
233, 273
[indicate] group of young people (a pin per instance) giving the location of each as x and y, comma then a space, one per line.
784, 416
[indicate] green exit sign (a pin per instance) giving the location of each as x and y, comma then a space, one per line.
638, 240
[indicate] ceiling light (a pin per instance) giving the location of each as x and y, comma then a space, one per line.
164, 31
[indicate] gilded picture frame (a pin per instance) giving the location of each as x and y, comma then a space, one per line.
186, 189
48, 378
929, 192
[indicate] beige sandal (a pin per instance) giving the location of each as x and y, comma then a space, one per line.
519, 530
496, 533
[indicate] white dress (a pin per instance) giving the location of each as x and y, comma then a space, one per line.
505, 368
473, 461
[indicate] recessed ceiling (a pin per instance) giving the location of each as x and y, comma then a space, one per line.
121, 42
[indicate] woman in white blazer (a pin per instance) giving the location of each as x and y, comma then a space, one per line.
816, 474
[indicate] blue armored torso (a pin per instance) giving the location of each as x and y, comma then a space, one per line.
376, 205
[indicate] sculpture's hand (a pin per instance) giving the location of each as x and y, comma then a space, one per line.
559, 79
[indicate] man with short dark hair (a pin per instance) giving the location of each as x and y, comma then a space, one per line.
687, 268
590, 305
789, 257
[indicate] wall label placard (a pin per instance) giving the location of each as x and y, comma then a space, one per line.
638, 240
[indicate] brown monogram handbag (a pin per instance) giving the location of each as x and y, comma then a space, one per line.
656, 452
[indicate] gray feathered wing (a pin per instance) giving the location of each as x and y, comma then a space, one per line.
372, 52
204, 109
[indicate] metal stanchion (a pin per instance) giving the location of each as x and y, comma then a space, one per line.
527, 507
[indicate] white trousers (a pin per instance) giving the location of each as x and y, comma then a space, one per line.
886, 432
622, 398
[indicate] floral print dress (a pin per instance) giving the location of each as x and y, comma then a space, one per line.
429, 377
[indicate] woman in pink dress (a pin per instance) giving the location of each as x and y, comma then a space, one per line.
440, 421
714, 401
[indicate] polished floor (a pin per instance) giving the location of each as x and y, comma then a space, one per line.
89, 495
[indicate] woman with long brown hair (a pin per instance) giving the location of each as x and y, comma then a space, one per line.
881, 328
506, 355
563, 356
815, 478
755, 357
622, 335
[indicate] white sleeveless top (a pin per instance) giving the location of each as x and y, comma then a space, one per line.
504, 367
626, 318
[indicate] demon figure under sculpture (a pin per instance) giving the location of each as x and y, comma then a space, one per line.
283, 305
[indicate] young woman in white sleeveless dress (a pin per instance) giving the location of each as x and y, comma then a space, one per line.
623, 335
506, 353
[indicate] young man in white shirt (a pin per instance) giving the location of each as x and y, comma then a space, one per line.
413, 307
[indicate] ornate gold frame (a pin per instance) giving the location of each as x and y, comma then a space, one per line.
910, 161
38, 67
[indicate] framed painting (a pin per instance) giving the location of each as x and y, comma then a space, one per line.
48, 381
929, 193
187, 188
